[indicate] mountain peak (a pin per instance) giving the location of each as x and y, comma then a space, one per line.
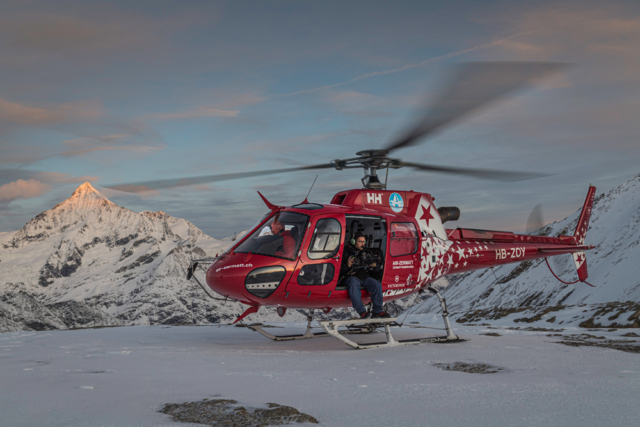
84, 190
84, 198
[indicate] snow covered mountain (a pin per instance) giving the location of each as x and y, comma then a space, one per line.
89, 262
526, 290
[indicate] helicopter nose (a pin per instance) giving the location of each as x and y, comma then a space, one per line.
221, 279
243, 279
227, 276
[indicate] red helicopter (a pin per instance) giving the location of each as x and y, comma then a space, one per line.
404, 229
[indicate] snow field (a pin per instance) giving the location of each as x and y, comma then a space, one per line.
123, 376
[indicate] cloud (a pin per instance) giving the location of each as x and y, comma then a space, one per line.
63, 178
410, 66
22, 189
22, 114
589, 35
195, 113
49, 178
135, 148
54, 32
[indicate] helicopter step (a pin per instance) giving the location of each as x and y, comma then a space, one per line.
331, 328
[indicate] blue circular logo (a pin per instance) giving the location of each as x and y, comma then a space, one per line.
396, 202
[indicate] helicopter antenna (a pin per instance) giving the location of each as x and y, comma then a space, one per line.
312, 184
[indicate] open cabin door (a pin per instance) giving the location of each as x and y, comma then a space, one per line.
374, 229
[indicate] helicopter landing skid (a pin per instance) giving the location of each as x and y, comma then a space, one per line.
331, 328
257, 327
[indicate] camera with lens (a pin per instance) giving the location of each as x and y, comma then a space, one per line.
364, 260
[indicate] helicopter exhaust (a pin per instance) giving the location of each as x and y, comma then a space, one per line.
450, 213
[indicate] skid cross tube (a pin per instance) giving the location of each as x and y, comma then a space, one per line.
331, 328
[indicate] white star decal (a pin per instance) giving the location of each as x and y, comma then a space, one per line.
450, 260
460, 252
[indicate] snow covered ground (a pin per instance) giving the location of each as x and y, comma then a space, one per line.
122, 376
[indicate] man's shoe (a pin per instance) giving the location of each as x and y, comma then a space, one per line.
381, 315
365, 315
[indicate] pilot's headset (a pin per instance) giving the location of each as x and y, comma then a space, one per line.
353, 234
353, 239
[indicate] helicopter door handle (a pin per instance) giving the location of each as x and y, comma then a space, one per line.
337, 257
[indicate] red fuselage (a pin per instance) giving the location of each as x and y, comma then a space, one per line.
404, 228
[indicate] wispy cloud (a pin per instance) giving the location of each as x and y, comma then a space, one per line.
22, 189
14, 112
191, 114
408, 66
143, 149
69, 34
63, 178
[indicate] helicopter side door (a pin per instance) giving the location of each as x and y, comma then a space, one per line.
318, 268
403, 261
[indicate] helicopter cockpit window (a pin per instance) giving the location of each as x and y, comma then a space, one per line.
279, 237
326, 239
404, 239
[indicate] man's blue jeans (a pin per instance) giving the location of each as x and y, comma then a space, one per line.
370, 285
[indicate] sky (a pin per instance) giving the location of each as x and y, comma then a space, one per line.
118, 92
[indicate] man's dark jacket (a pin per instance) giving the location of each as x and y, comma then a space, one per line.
360, 273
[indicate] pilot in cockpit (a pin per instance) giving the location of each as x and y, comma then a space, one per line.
277, 228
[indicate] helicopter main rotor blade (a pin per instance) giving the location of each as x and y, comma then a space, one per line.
140, 187
491, 174
472, 86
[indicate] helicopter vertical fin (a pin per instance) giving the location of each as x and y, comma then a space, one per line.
583, 223
580, 258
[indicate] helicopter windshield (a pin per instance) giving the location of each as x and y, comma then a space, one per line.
279, 237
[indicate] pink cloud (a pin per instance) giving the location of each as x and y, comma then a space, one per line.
134, 148
26, 115
63, 178
22, 189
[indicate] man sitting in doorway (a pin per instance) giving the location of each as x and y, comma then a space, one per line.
358, 263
